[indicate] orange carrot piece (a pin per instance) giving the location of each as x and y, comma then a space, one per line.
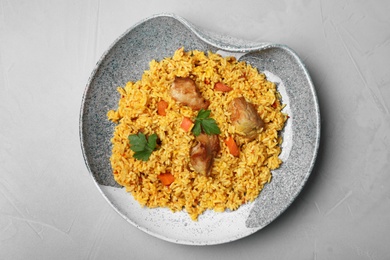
166, 178
219, 86
186, 124
232, 146
161, 107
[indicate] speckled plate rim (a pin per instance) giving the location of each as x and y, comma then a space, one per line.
228, 44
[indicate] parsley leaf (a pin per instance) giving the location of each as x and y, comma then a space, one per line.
205, 123
210, 126
203, 114
197, 129
142, 146
138, 142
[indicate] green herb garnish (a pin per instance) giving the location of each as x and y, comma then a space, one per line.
141, 146
204, 122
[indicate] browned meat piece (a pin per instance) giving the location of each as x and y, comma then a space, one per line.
184, 90
245, 118
202, 155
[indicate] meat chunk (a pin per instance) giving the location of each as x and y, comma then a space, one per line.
245, 118
202, 155
185, 91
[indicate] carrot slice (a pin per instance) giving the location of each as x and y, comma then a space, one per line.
161, 107
166, 178
219, 86
186, 124
232, 146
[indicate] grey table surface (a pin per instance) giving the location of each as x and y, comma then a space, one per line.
50, 207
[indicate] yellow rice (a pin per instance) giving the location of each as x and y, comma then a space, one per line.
233, 181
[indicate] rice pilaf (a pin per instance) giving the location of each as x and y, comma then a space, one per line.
233, 180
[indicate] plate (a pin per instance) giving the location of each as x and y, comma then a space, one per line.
158, 37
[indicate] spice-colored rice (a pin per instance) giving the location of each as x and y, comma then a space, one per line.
233, 181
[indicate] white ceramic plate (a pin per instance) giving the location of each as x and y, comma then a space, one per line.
156, 38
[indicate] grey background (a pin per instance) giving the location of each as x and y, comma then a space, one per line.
51, 209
